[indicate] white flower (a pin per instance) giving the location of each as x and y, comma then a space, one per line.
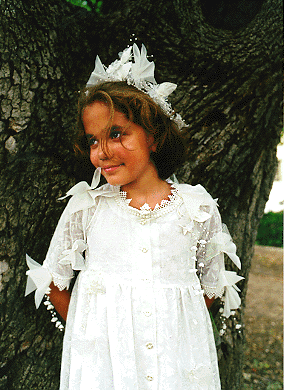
188, 228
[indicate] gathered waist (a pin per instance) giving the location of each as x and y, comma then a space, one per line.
96, 281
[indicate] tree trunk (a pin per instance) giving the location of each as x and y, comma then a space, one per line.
227, 62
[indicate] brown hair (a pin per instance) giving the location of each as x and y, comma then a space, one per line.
139, 108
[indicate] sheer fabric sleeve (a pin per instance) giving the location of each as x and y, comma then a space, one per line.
66, 249
214, 241
64, 255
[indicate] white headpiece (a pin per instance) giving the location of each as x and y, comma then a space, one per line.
140, 74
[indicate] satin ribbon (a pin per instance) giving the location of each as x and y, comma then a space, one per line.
142, 69
193, 201
74, 256
227, 280
117, 71
222, 242
83, 186
39, 279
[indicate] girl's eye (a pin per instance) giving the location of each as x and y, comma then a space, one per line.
115, 133
91, 140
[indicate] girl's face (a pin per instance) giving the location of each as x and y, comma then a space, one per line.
126, 160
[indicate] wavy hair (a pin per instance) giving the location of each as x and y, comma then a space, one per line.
139, 108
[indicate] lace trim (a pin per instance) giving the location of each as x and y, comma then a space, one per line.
145, 211
212, 292
61, 282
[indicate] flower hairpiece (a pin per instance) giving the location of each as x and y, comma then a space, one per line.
134, 68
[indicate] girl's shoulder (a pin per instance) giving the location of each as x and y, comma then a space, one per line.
197, 192
84, 197
199, 203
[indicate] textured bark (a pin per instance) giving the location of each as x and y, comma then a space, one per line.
228, 66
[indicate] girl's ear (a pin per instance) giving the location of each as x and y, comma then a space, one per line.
152, 146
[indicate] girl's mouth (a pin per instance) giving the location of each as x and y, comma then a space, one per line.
111, 168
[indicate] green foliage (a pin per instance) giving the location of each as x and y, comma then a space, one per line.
270, 232
84, 4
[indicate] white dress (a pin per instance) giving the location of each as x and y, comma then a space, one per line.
137, 318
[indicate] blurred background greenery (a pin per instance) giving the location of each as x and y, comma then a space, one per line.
270, 232
90, 4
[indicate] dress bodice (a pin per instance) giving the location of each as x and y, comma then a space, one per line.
134, 244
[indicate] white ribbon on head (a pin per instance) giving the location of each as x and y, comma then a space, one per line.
126, 55
142, 69
134, 68
165, 89
98, 75
117, 70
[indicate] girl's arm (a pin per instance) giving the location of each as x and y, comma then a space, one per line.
209, 301
60, 300
65, 254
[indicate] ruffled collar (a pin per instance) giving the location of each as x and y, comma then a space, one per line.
194, 197
145, 211
83, 187
146, 207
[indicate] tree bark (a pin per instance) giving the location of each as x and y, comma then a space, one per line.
228, 67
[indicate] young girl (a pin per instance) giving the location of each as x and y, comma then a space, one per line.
149, 251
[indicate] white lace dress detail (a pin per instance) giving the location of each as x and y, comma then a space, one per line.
137, 318
146, 213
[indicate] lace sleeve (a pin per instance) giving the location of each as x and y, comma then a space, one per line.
214, 241
64, 255
66, 249
208, 268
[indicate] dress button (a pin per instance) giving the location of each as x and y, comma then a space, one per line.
149, 378
149, 345
144, 250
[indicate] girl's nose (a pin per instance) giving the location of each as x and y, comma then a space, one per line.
102, 155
